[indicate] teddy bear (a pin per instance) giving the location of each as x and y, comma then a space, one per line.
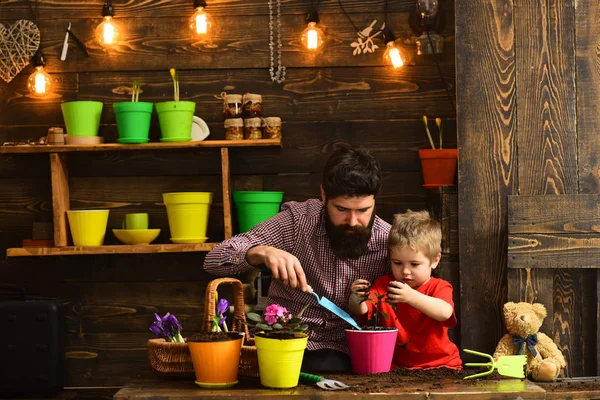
523, 320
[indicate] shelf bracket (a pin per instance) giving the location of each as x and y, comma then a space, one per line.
59, 171
226, 193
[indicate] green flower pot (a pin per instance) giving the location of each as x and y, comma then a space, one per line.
82, 118
255, 207
175, 119
133, 121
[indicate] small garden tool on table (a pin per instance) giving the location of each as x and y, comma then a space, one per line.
327, 384
331, 306
513, 366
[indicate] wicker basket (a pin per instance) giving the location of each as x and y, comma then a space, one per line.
170, 359
248, 359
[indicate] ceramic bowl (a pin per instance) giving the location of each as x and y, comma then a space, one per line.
136, 236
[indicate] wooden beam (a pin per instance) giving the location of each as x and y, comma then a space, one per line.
226, 192
566, 214
554, 251
59, 171
487, 163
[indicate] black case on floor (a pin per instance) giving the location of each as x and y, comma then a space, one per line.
31, 344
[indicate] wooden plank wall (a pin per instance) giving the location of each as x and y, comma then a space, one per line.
540, 124
327, 100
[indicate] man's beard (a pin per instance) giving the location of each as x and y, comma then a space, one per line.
348, 242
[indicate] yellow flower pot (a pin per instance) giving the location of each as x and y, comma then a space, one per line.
188, 215
280, 360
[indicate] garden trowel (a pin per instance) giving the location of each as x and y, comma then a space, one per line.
513, 366
328, 304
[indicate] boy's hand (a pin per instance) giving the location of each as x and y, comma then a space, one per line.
360, 289
399, 292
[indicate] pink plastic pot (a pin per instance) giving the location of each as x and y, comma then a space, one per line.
371, 352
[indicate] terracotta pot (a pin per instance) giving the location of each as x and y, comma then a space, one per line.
216, 363
439, 166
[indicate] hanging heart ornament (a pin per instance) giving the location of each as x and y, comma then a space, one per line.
18, 43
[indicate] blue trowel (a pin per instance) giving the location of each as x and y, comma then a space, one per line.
328, 304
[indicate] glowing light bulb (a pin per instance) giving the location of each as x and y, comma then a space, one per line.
107, 33
312, 37
39, 82
200, 21
393, 55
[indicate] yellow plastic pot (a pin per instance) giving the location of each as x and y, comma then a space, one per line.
280, 360
88, 227
188, 215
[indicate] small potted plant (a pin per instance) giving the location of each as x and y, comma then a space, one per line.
168, 353
133, 117
280, 345
216, 354
175, 117
372, 348
438, 165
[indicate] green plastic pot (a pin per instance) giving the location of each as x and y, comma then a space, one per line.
133, 121
255, 207
82, 118
175, 119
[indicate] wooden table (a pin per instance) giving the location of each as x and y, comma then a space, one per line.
405, 389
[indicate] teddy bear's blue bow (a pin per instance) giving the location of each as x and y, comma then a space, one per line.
531, 341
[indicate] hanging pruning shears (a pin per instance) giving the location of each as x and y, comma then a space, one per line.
79, 43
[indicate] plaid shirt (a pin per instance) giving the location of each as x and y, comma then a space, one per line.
299, 229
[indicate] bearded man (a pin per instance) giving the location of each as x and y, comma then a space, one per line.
321, 245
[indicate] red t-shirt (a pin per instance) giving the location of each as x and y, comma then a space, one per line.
422, 341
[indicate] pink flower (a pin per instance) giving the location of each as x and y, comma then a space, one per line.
275, 312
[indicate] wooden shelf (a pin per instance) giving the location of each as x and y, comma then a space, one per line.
59, 175
112, 249
71, 148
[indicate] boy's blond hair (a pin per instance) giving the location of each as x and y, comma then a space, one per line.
418, 231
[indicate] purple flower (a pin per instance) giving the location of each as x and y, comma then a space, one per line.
219, 318
167, 327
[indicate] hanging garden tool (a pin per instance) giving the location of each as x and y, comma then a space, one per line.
327, 384
63, 55
513, 366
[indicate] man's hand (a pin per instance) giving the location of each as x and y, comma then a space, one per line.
283, 265
360, 289
399, 292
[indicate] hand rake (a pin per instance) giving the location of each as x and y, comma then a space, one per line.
327, 384
513, 366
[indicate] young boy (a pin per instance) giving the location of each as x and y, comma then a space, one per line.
424, 306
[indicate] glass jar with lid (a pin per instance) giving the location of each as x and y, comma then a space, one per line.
232, 106
252, 128
252, 105
234, 129
272, 128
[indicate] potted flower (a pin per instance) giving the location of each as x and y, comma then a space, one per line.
280, 345
133, 117
175, 117
168, 353
216, 354
372, 348
439, 165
